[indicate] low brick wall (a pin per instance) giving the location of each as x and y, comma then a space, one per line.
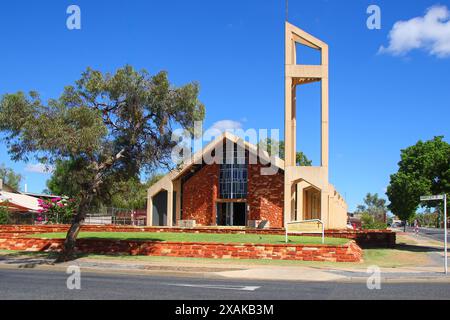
364, 238
349, 252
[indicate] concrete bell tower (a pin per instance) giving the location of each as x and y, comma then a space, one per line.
299, 179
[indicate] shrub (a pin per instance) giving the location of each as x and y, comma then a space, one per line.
4, 215
56, 210
369, 223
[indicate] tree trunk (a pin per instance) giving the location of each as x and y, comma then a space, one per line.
69, 244
86, 199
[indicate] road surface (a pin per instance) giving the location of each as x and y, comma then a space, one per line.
44, 284
432, 233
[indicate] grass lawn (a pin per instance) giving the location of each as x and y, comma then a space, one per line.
394, 258
196, 237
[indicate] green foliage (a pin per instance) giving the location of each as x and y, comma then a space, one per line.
9, 177
424, 169
125, 194
368, 222
67, 178
428, 218
374, 206
131, 194
268, 143
4, 215
57, 210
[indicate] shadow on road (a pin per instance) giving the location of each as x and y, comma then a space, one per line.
416, 248
27, 260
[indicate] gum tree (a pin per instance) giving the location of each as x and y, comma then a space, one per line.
10, 177
374, 206
111, 126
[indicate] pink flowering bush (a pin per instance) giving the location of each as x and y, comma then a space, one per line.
56, 210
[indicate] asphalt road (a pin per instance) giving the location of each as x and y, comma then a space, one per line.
432, 233
39, 284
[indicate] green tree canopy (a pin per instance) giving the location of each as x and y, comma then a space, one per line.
66, 179
424, 169
112, 126
374, 206
132, 194
125, 194
266, 144
9, 177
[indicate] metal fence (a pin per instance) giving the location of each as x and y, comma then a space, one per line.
116, 216
27, 218
103, 216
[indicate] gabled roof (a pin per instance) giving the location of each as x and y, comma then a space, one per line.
198, 156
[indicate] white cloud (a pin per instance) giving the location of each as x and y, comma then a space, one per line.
225, 125
39, 168
430, 33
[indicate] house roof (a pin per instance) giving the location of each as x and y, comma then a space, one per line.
19, 201
41, 195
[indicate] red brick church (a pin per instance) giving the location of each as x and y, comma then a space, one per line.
232, 191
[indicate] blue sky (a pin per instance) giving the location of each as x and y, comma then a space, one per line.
379, 102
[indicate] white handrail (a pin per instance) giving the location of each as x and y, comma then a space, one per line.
307, 221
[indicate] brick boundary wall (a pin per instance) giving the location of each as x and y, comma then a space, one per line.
364, 238
349, 252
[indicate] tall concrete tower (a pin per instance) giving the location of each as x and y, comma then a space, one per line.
308, 194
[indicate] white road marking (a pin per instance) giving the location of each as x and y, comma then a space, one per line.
215, 286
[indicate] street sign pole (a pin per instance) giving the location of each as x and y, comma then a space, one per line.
445, 234
444, 198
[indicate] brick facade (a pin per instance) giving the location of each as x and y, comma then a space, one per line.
265, 196
200, 194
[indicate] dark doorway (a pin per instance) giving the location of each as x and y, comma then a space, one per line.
174, 207
231, 214
222, 214
239, 214
160, 209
